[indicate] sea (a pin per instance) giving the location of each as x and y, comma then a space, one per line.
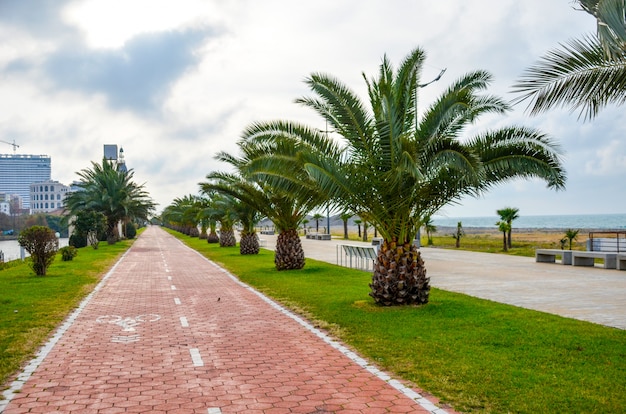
574, 221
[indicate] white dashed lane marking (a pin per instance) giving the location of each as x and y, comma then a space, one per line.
183, 322
196, 358
177, 301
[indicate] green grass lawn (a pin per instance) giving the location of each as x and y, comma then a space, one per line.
31, 307
477, 355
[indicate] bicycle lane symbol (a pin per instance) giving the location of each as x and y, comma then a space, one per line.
128, 326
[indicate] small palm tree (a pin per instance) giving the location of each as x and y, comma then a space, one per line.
286, 207
317, 217
585, 74
571, 235
508, 214
430, 229
504, 227
358, 226
345, 216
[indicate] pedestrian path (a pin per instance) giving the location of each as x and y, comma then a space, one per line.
167, 331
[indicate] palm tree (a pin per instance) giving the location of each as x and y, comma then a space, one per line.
504, 227
585, 74
571, 235
113, 193
224, 206
508, 214
430, 229
345, 216
317, 217
358, 225
285, 207
395, 167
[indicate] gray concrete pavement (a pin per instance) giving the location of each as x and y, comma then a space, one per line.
591, 294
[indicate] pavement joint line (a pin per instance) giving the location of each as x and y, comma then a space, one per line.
408, 392
183, 322
196, 358
177, 301
43, 352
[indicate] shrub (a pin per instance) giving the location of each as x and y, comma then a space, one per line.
78, 240
130, 231
68, 253
42, 244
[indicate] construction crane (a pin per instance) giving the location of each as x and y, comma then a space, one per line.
15, 146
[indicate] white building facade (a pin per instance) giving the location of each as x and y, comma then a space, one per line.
47, 196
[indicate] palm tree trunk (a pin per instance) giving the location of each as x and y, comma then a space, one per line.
345, 229
227, 238
249, 243
289, 254
399, 276
505, 245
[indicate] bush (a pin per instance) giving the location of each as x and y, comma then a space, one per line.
78, 240
42, 244
130, 231
68, 253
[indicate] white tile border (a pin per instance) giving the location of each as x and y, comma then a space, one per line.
412, 394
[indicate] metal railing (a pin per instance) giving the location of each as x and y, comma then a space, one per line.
607, 241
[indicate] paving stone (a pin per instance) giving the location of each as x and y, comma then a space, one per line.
127, 350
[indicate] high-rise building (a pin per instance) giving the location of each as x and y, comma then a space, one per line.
19, 171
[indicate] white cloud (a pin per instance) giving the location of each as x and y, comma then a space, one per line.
175, 82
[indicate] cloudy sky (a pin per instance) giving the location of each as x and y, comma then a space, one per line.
173, 82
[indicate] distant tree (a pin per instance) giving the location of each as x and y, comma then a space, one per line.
317, 217
571, 235
42, 245
430, 229
365, 226
112, 193
304, 223
504, 227
345, 216
458, 234
358, 225
508, 214
89, 226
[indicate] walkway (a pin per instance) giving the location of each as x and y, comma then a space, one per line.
169, 332
590, 294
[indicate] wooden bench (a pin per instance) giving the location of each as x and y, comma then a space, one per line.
621, 261
318, 236
580, 258
549, 256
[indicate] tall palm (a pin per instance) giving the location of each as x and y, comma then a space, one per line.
113, 193
508, 215
394, 168
285, 207
584, 74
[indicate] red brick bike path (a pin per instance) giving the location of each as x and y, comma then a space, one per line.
170, 332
